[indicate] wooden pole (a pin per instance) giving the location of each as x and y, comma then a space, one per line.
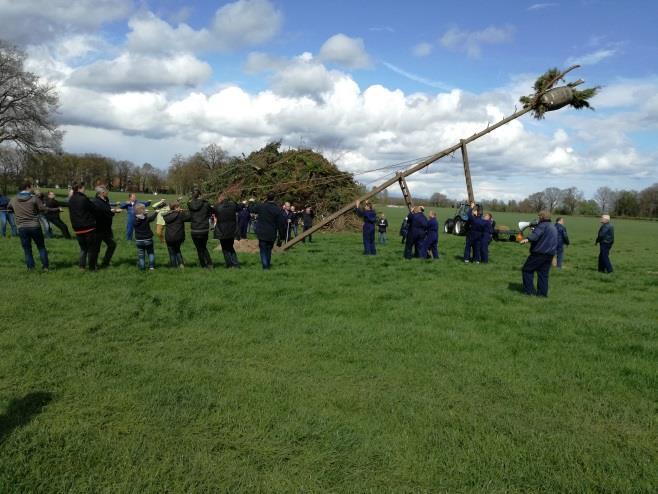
467, 173
405, 191
423, 164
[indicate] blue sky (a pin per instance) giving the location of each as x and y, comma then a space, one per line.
367, 83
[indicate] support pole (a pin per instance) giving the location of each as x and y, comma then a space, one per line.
424, 164
467, 173
405, 191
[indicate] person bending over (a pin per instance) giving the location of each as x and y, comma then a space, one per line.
543, 245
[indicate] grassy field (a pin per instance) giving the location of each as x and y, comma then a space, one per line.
333, 372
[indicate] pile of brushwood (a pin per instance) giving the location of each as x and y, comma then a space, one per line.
557, 97
301, 176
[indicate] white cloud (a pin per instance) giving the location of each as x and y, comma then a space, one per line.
415, 77
422, 49
135, 72
594, 57
471, 42
345, 51
234, 26
39, 21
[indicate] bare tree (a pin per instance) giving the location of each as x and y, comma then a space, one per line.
605, 197
214, 156
27, 106
537, 201
571, 197
552, 196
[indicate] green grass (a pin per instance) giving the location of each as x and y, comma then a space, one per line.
332, 372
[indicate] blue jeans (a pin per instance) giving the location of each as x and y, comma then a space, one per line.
130, 226
45, 226
265, 253
27, 236
8, 217
144, 248
382, 237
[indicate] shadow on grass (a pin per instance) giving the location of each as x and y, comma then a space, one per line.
515, 287
21, 411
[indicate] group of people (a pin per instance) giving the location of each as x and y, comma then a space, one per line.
30, 215
547, 241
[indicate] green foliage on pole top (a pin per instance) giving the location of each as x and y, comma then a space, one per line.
301, 176
541, 102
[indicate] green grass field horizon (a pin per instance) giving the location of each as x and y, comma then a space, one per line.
333, 372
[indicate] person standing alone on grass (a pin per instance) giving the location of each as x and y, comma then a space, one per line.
83, 220
53, 215
605, 239
270, 223
369, 219
26, 208
562, 240
144, 237
104, 216
543, 245
200, 212
6, 216
382, 226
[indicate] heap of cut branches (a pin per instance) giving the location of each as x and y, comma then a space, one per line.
579, 99
299, 176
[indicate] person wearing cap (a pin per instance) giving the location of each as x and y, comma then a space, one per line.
543, 245
369, 219
605, 239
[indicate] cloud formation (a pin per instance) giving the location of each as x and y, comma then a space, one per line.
471, 42
346, 52
594, 57
422, 49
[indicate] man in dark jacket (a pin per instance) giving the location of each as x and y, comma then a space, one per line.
605, 239
382, 226
83, 221
418, 232
26, 208
200, 212
104, 216
53, 215
307, 222
543, 245
562, 240
270, 224
226, 228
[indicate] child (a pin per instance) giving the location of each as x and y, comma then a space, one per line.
382, 226
144, 236
175, 233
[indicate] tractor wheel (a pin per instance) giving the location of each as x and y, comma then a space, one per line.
459, 227
448, 225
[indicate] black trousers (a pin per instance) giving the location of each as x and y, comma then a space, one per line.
230, 256
201, 244
108, 239
540, 264
89, 247
57, 221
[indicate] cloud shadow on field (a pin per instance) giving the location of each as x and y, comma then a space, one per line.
21, 411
